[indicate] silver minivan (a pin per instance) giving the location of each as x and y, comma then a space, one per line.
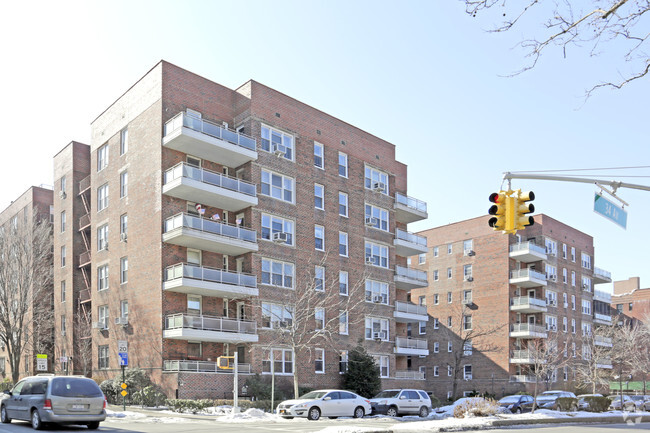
54, 399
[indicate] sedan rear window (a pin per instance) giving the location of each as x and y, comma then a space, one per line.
75, 387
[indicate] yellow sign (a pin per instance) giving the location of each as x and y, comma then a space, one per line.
227, 359
124, 393
41, 356
123, 385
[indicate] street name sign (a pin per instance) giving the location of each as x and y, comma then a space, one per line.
610, 211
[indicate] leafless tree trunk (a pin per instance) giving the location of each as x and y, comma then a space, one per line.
596, 355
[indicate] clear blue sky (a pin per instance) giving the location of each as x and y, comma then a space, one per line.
420, 74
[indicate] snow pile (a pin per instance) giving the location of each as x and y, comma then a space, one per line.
250, 415
127, 415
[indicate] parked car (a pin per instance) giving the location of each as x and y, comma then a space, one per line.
396, 402
641, 402
517, 403
582, 403
548, 399
331, 403
54, 399
449, 409
628, 404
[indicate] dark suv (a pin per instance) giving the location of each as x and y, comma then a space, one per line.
54, 399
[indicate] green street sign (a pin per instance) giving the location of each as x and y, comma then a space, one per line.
609, 210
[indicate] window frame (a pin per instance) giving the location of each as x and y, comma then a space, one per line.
282, 189
270, 143
319, 196
268, 223
318, 145
345, 205
343, 168
283, 275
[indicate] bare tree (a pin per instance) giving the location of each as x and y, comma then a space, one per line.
83, 345
615, 25
26, 304
631, 354
599, 350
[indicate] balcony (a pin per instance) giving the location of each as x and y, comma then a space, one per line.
601, 296
407, 279
406, 312
204, 234
409, 375
409, 244
209, 141
199, 280
602, 319
409, 209
599, 340
411, 346
84, 259
522, 357
528, 305
84, 222
527, 330
84, 296
527, 252
527, 278
602, 276
202, 367
210, 329
84, 184
604, 363
522, 378
209, 188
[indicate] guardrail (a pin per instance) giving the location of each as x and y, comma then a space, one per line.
203, 273
527, 273
410, 237
411, 343
209, 128
527, 300
411, 202
183, 169
202, 367
408, 374
527, 246
410, 308
414, 274
207, 323
210, 226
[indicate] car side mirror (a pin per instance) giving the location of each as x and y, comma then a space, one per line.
403, 397
327, 398
6, 391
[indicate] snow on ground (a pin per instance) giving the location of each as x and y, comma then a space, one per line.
127, 415
250, 415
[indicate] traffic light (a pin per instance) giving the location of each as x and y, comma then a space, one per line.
521, 219
498, 221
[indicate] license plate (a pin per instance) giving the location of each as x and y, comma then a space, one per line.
78, 407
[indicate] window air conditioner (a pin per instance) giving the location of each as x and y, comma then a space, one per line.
467, 301
62, 194
280, 237
99, 325
122, 321
123, 237
370, 260
469, 253
377, 299
469, 278
371, 221
379, 186
279, 150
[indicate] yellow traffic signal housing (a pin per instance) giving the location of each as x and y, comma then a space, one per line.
498, 221
522, 208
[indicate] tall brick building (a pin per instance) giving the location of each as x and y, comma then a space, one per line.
630, 300
196, 209
538, 284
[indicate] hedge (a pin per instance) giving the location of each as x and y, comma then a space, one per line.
567, 404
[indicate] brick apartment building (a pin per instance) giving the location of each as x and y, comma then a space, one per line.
196, 209
630, 300
538, 284
33, 204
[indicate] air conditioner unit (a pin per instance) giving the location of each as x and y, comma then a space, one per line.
552, 328
468, 377
467, 301
62, 194
379, 186
63, 332
377, 299
122, 321
123, 237
370, 260
469, 278
469, 253
280, 237
371, 221
566, 305
279, 150
283, 324
99, 325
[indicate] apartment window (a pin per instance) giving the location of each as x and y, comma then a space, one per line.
63, 291
449, 297
551, 272
343, 361
376, 328
467, 322
318, 155
449, 273
102, 316
573, 349
551, 298
343, 165
343, 283
277, 142
436, 347
586, 284
423, 328
376, 180
343, 204
450, 346
282, 361
319, 317
564, 250
573, 254
124, 184
276, 273
377, 217
467, 372
272, 224
63, 252
319, 238
586, 261
376, 255
343, 322
102, 277
564, 324
276, 316
436, 371
124, 270
382, 363
449, 249
435, 251
564, 275
319, 362
573, 326
124, 309
573, 302
586, 329
436, 323
551, 323
376, 292
102, 358
573, 278
467, 272
102, 237
62, 221
63, 184
343, 244
102, 197
467, 296
619, 308
422, 258
102, 157
468, 245
551, 247
124, 141
448, 321
277, 186
629, 306
319, 196
435, 275
565, 298
124, 220
319, 278
436, 299
586, 307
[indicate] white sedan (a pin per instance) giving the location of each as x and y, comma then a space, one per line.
331, 403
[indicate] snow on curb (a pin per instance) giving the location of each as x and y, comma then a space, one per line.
250, 415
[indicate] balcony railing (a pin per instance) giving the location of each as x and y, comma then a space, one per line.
603, 317
527, 273
84, 222
411, 237
527, 301
411, 202
84, 295
209, 226
84, 258
411, 343
409, 374
202, 367
84, 184
522, 378
413, 274
523, 354
207, 323
209, 128
603, 274
206, 176
602, 341
527, 246
202, 273
410, 308
528, 327
606, 297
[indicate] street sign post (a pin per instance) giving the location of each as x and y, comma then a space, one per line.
41, 362
609, 210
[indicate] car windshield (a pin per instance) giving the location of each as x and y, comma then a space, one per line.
75, 387
388, 394
313, 395
511, 399
636, 397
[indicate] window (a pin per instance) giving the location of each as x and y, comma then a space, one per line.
63, 252
436, 323
102, 237
382, 363
468, 246
102, 277
573, 278
573, 326
586, 284
277, 142
343, 361
564, 275
124, 141
343, 244
272, 224
573, 302
565, 298
319, 278
467, 272
573, 349
551, 247
276, 316
573, 254
423, 328
586, 307
277, 186
343, 204
123, 225
376, 180
319, 196
435, 251
276, 273
435, 275
124, 270
343, 165
377, 217
62, 221
318, 155
551, 298
319, 317
629, 306
102, 157
319, 361
63, 184
586, 261
319, 238
450, 346
436, 371
467, 323
551, 272
282, 361
376, 255
102, 316
343, 283
619, 308
436, 347
449, 297
124, 184
448, 321
376, 329
564, 249
586, 329
102, 358
436, 299
124, 309
449, 249
467, 296
343, 322
564, 324
63, 324
467, 372
102, 197
449, 273
376, 292
63, 291
422, 258
551, 323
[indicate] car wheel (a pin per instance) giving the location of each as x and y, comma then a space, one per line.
518, 410
392, 411
93, 425
4, 417
424, 412
313, 414
37, 424
359, 412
